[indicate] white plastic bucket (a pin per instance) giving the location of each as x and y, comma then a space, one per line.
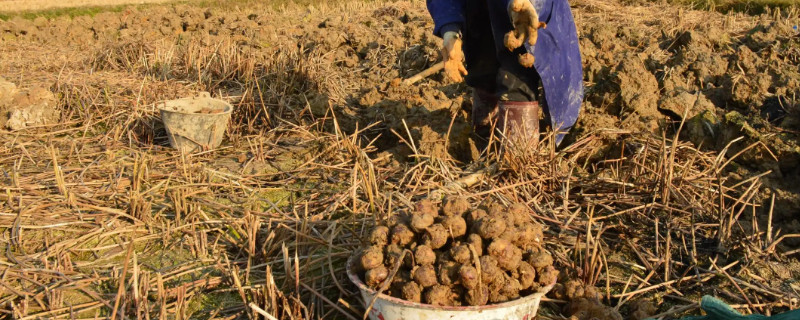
196, 123
390, 308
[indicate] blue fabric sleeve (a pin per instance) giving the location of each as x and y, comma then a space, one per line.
450, 27
445, 12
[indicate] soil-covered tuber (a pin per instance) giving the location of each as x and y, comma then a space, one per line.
455, 206
469, 277
490, 227
425, 276
411, 291
371, 258
424, 255
376, 276
456, 225
401, 234
436, 236
421, 221
379, 236
439, 295
455, 255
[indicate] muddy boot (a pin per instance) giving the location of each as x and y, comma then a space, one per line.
518, 123
484, 113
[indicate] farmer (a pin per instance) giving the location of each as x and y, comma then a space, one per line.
491, 43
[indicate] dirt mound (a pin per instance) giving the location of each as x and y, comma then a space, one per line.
20, 109
722, 79
455, 255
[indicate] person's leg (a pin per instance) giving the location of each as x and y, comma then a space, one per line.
514, 82
515, 86
482, 66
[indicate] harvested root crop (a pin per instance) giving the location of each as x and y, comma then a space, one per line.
457, 255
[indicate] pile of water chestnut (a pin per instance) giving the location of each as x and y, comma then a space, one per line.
454, 254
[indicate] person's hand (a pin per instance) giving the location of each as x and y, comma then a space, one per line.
526, 24
453, 57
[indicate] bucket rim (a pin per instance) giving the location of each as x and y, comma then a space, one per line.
363, 287
161, 106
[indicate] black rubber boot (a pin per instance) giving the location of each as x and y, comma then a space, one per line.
484, 113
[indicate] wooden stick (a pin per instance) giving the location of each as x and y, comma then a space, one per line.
121, 288
261, 312
424, 74
675, 310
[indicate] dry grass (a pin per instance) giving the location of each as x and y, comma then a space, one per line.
99, 220
31, 5
751, 6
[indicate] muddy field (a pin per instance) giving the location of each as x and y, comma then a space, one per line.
98, 217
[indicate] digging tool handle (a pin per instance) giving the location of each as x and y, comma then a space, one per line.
424, 74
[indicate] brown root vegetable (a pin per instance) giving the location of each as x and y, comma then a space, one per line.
511, 288
395, 219
488, 261
468, 276
421, 221
476, 242
573, 289
548, 276
402, 235
491, 273
371, 258
540, 260
530, 235
585, 309
526, 60
507, 255
495, 209
448, 272
425, 276
511, 234
455, 206
456, 225
490, 228
439, 295
475, 215
559, 291
461, 253
379, 236
426, 206
527, 275
411, 291
477, 296
424, 255
520, 212
590, 292
497, 297
436, 236
376, 276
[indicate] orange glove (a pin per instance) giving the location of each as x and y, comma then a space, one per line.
453, 57
526, 23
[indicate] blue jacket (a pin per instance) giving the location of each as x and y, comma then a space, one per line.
446, 12
557, 52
